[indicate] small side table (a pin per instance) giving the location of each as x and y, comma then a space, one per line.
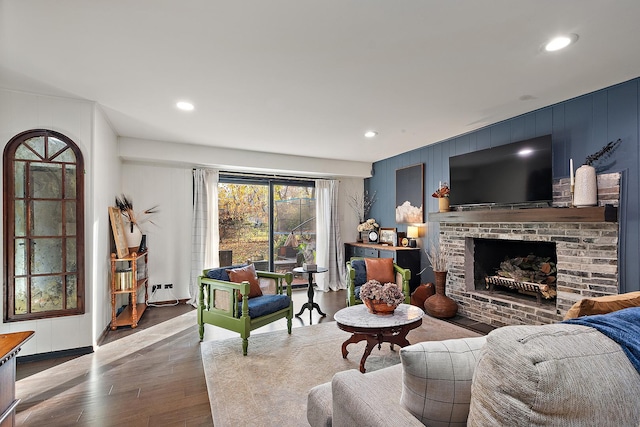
310, 304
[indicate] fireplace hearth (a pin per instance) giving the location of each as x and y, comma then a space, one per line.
586, 253
518, 268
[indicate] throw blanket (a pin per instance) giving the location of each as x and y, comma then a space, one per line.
622, 326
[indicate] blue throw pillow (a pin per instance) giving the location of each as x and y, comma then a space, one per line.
221, 272
265, 304
361, 271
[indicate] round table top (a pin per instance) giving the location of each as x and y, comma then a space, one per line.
359, 316
317, 270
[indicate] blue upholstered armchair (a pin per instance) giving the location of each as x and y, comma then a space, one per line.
233, 306
357, 276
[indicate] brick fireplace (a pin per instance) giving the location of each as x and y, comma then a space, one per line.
584, 242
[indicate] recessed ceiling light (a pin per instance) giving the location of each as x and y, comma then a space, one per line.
560, 42
185, 106
370, 134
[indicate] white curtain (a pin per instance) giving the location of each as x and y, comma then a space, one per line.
329, 248
204, 227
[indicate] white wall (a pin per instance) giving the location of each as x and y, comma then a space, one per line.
74, 118
105, 170
169, 241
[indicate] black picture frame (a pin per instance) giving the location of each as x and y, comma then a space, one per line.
410, 194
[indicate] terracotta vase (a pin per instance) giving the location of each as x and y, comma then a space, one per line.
440, 305
443, 204
377, 306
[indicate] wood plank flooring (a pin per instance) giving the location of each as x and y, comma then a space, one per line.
148, 376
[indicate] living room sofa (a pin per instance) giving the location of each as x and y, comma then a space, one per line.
547, 375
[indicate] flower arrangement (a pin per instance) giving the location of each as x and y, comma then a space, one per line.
368, 225
442, 191
389, 292
125, 205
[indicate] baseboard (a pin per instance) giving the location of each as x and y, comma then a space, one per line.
171, 302
81, 351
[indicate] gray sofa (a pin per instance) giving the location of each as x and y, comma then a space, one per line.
551, 375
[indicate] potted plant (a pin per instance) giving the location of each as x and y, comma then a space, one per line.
442, 194
379, 298
439, 304
136, 240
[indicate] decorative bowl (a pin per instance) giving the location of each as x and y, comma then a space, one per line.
377, 306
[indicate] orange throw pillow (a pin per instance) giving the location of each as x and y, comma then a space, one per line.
603, 305
380, 269
248, 273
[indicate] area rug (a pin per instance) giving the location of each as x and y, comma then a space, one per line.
269, 386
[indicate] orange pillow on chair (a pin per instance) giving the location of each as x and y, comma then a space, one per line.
380, 269
248, 273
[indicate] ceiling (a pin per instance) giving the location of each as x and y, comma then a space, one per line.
310, 77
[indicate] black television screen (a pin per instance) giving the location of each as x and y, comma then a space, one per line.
518, 172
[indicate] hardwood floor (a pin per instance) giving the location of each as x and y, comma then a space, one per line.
148, 376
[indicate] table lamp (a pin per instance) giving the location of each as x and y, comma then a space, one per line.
412, 234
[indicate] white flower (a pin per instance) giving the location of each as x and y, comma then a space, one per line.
368, 225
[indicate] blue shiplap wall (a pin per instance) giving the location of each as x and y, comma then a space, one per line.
579, 127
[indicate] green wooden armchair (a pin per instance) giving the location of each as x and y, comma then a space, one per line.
357, 276
227, 304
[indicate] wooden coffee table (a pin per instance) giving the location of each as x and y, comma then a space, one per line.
376, 329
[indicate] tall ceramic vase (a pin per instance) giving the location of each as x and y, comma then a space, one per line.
440, 305
133, 237
586, 187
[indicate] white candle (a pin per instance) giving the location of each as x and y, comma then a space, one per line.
439, 185
571, 171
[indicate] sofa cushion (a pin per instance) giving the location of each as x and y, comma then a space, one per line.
361, 272
380, 269
248, 274
319, 407
603, 305
369, 399
221, 272
265, 304
552, 375
436, 379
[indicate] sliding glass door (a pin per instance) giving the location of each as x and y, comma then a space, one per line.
266, 221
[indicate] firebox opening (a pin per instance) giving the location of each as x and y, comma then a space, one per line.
515, 268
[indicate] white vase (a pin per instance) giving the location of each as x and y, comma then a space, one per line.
586, 187
133, 237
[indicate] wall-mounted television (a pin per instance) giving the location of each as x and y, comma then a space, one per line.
515, 173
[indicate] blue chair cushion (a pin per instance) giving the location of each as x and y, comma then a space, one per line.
357, 292
221, 272
361, 272
265, 304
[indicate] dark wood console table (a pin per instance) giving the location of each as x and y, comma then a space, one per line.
10, 345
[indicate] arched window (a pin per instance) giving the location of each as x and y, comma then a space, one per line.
43, 226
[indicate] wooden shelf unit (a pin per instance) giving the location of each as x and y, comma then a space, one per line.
128, 282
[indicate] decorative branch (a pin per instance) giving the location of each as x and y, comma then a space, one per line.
603, 153
437, 258
361, 204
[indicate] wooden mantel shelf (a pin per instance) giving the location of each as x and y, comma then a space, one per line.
591, 214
